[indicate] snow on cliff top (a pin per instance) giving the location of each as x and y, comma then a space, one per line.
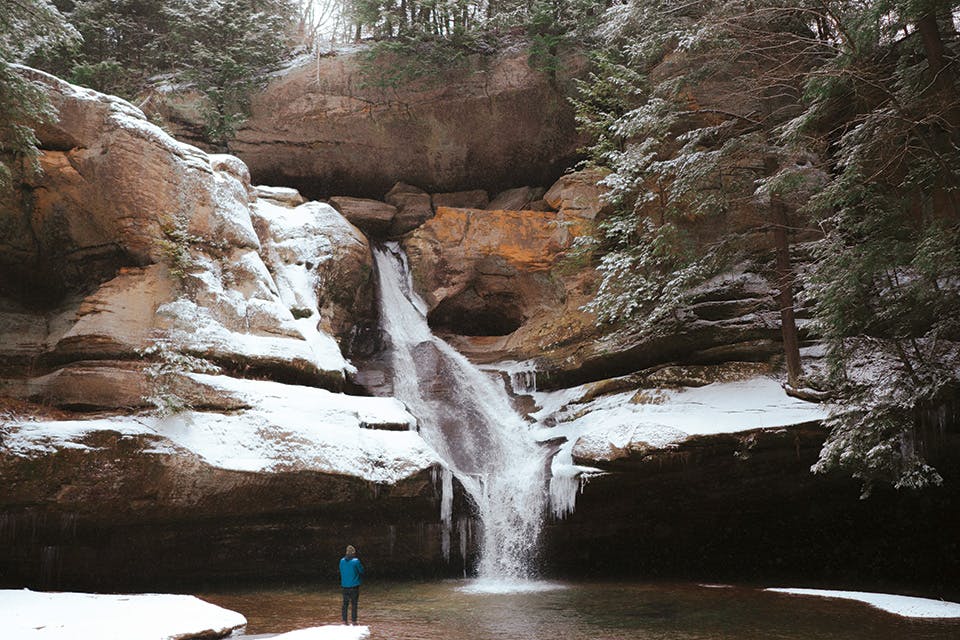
29, 615
906, 606
285, 427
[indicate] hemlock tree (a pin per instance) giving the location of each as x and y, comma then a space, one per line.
228, 45
870, 88
682, 104
25, 25
123, 43
222, 47
886, 282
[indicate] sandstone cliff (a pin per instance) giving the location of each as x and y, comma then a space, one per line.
170, 370
325, 128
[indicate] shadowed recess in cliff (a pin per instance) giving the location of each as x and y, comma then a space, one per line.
469, 420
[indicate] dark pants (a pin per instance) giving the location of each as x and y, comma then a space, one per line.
350, 597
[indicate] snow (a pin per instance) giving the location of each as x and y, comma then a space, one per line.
229, 220
286, 427
195, 329
906, 606
669, 415
29, 615
327, 632
283, 195
301, 239
127, 117
609, 426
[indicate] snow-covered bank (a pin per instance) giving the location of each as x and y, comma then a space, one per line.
30, 615
906, 606
282, 428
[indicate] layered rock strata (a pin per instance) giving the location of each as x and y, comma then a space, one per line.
326, 127
171, 368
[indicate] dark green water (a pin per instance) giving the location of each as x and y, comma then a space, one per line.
580, 611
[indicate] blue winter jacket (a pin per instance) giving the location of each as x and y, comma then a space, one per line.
350, 572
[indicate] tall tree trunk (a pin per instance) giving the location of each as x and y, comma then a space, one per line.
788, 320
781, 243
934, 51
943, 86
942, 75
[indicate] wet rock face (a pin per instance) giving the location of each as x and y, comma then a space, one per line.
502, 285
164, 518
321, 129
745, 508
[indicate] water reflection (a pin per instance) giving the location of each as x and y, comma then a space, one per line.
578, 611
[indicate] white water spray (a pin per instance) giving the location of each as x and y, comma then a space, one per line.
469, 420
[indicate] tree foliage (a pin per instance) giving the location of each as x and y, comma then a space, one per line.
866, 87
681, 105
222, 48
416, 38
25, 26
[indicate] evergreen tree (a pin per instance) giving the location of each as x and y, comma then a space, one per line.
222, 47
226, 48
25, 25
886, 282
678, 165
870, 86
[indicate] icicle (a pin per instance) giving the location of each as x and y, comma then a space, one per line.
564, 487
524, 381
446, 511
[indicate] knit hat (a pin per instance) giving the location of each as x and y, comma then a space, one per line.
351, 551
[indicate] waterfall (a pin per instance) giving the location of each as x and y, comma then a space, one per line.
468, 419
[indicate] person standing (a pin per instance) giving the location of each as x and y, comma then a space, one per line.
351, 573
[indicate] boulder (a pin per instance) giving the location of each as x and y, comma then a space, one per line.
325, 127
578, 193
482, 272
413, 207
281, 195
494, 281
517, 199
475, 199
322, 267
539, 205
372, 216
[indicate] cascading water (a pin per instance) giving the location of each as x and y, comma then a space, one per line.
469, 420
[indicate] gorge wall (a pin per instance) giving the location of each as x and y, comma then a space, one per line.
170, 374
193, 385
326, 127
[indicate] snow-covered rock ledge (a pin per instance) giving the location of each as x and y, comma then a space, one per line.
618, 429
31, 615
276, 427
906, 606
